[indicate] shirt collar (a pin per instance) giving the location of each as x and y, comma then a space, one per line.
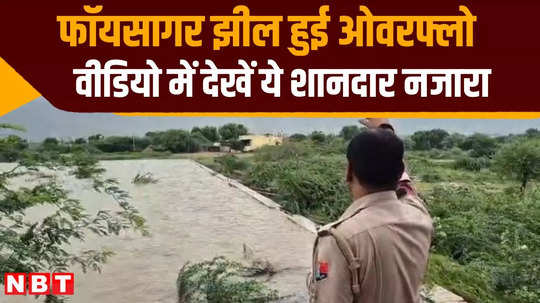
367, 201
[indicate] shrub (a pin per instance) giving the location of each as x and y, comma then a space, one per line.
229, 164
220, 281
479, 145
318, 137
121, 144
495, 234
144, 178
430, 177
297, 137
85, 165
472, 164
520, 160
51, 241
350, 131
425, 140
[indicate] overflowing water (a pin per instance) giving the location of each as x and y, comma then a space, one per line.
193, 216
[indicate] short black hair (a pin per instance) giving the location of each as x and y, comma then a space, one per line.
376, 158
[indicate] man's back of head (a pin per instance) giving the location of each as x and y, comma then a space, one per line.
376, 159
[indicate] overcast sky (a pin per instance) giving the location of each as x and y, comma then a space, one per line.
43, 120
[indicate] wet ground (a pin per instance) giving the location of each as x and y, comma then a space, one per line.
193, 216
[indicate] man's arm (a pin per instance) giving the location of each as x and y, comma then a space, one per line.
331, 275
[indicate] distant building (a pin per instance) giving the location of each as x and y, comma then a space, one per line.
252, 142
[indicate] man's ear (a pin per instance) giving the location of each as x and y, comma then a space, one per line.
349, 174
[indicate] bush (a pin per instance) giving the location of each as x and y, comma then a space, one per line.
318, 137
472, 164
497, 235
297, 137
350, 131
479, 145
430, 177
425, 140
144, 178
85, 165
229, 164
220, 281
50, 242
11, 148
115, 144
178, 141
289, 150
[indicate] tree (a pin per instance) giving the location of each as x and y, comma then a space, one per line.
519, 160
180, 141
425, 140
350, 131
480, 145
231, 131
80, 141
50, 142
122, 144
452, 140
532, 133
318, 136
95, 138
297, 137
209, 132
198, 142
11, 148
45, 244
408, 143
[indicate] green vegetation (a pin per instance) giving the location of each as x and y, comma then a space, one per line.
520, 160
154, 144
482, 193
232, 131
220, 281
487, 217
44, 244
144, 178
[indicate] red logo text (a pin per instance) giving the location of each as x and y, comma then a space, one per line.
59, 284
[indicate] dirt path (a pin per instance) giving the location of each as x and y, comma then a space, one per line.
193, 216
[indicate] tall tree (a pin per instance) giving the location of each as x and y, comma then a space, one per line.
231, 131
519, 160
349, 131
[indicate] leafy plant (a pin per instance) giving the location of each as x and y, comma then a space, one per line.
220, 281
487, 233
520, 160
44, 245
229, 164
144, 178
472, 164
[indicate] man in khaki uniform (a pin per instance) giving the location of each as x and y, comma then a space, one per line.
378, 249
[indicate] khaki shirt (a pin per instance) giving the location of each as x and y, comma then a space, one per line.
391, 238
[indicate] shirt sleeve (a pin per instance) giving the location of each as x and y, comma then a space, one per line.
331, 275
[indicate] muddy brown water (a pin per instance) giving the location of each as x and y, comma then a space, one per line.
193, 216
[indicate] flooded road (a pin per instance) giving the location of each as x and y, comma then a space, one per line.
193, 216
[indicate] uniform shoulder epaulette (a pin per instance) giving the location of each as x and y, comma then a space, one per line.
323, 230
